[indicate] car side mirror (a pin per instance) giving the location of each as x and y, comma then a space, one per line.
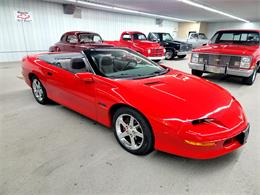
86, 77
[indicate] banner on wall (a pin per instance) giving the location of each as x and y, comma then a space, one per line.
23, 16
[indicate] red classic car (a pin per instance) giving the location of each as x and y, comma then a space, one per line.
137, 41
230, 52
150, 106
75, 41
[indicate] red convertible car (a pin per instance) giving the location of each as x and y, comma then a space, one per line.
150, 106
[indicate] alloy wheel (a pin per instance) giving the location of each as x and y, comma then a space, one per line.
37, 90
129, 131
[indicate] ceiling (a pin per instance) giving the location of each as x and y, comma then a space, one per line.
246, 9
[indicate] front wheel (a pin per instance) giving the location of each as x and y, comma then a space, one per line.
197, 72
181, 56
132, 131
250, 80
169, 55
39, 91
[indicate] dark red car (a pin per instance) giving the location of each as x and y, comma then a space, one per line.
137, 41
229, 52
150, 106
76, 41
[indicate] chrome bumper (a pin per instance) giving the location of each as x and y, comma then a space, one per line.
156, 58
180, 53
221, 70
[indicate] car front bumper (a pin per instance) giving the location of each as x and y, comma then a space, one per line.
181, 53
222, 70
203, 146
156, 57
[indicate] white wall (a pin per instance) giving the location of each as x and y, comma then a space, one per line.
49, 23
215, 26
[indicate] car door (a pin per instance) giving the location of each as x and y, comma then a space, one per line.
127, 40
68, 90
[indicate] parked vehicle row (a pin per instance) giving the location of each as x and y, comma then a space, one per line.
157, 47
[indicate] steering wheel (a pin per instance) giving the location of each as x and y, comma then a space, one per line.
132, 63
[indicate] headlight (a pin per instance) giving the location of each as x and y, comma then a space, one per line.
245, 62
149, 51
194, 58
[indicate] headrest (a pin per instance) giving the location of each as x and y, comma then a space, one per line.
106, 61
77, 63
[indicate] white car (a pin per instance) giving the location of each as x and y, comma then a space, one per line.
197, 39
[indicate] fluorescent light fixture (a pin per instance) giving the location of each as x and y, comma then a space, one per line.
212, 10
118, 9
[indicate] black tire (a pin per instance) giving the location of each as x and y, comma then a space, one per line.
39, 91
156, 61
142, 145
198, 73
181, 56
250, 80
169, 55
258, 70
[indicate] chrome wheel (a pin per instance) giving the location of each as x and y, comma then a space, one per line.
168, 55
129, 131
37, 90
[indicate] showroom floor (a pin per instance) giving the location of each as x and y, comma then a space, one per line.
53, 150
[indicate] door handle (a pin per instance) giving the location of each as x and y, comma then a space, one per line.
49, 73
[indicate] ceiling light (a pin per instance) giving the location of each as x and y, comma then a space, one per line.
118, 9
212, 10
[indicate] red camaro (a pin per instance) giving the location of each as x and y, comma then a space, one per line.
148, 105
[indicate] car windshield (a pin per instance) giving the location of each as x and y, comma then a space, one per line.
202, 36
236, 37
86, 38
167, 37
123, 63
139, 36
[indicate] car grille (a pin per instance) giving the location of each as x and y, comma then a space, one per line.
185, 47
157, 52
220, 60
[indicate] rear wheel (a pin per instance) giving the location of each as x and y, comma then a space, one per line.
39, 91
250, 80
181, 56
169, 55
132, 131
198, 73
156, 61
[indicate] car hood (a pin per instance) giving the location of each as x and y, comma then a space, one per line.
181, 97
146, 44
227, 49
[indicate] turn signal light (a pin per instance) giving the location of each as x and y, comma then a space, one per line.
207, 144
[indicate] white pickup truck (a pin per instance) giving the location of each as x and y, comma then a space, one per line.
197, 39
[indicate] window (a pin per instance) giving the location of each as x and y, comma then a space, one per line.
167, 37
72, 39
72, 62
123, 63
127, 37
86, 38
139, 37
237, 37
